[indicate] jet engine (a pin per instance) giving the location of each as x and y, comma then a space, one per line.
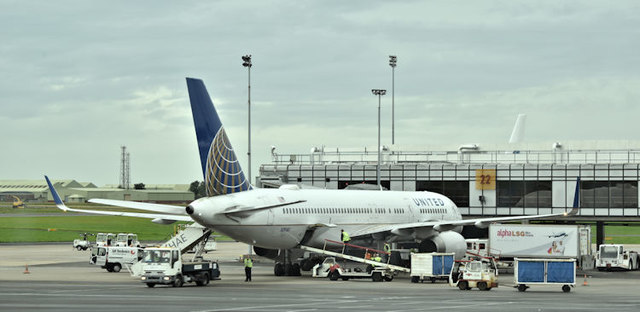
267, 253
448, 241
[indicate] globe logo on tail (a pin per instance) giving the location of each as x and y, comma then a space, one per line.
224, 175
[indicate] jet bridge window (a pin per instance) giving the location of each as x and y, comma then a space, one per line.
528, 194
609, 194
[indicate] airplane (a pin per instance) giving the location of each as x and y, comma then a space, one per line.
278, 221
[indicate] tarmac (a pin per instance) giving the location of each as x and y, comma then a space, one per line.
61, 279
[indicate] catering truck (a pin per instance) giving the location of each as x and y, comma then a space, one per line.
616, 257
113, 259
508, 241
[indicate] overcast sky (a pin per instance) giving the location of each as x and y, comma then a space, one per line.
78, 79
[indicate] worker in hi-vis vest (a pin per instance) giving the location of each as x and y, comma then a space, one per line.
345, 239
387, 249
377, 258
248, 264
345, 236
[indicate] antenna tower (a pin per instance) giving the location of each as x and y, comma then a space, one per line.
125, 180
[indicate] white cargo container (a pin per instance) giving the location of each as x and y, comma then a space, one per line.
431, 266
541, 241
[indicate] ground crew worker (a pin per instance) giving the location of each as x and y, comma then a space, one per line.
345, 236
377, 258
345, 239
248, 264
387, 249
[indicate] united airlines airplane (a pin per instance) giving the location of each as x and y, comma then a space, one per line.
276, 221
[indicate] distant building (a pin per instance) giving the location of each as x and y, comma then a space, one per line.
79, 192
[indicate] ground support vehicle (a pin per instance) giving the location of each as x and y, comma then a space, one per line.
334, 271
431, 266
167, 266
127, 240
508, 241
544, 272
105, 239
376, 270
114, 258
612, 257
82, 244
468, 274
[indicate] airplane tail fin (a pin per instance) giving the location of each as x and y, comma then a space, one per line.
576, 199
220, 166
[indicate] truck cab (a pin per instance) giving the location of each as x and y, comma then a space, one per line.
105, 239
127, 240
613, 256
166, 266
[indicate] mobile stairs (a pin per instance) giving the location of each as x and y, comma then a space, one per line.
186, 238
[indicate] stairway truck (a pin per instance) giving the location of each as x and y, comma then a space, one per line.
431, 266
544, 272
167, 266
508, 241
114, 258
616, 257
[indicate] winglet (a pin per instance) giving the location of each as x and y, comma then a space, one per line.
576, 199
56, 197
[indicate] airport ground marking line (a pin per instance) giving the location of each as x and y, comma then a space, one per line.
263, 307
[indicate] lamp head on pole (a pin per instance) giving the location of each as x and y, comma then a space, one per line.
246, 60
378, 91
393, 60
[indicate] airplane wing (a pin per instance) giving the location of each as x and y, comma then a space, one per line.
157, 218
138, 205
446, 225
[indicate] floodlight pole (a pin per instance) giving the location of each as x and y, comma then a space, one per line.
246, 62
379, 93
392, 62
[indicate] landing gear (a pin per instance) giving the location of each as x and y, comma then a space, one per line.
285, 267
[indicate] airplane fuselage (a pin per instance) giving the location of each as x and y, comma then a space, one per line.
321, 215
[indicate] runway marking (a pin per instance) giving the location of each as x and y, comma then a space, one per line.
264, 307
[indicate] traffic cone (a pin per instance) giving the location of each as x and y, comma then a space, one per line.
26, 269
585, 281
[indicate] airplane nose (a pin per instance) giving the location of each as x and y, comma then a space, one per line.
189, 209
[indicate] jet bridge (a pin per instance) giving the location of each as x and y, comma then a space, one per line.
342, 254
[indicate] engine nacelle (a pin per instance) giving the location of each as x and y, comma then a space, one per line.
448, 241
267, 253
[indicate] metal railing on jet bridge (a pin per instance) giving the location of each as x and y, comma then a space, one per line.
345, 247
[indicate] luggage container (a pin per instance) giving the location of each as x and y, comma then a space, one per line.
545, 272
431, 266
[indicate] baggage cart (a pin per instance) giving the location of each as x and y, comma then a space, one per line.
544, 272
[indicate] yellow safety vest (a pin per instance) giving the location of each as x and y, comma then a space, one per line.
377, 259
345, 237
248, 263
387, 247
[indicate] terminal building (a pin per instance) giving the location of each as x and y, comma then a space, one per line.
482, 182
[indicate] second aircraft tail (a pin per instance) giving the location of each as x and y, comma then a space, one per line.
220, 166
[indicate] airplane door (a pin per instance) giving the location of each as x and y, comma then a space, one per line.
270, 216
